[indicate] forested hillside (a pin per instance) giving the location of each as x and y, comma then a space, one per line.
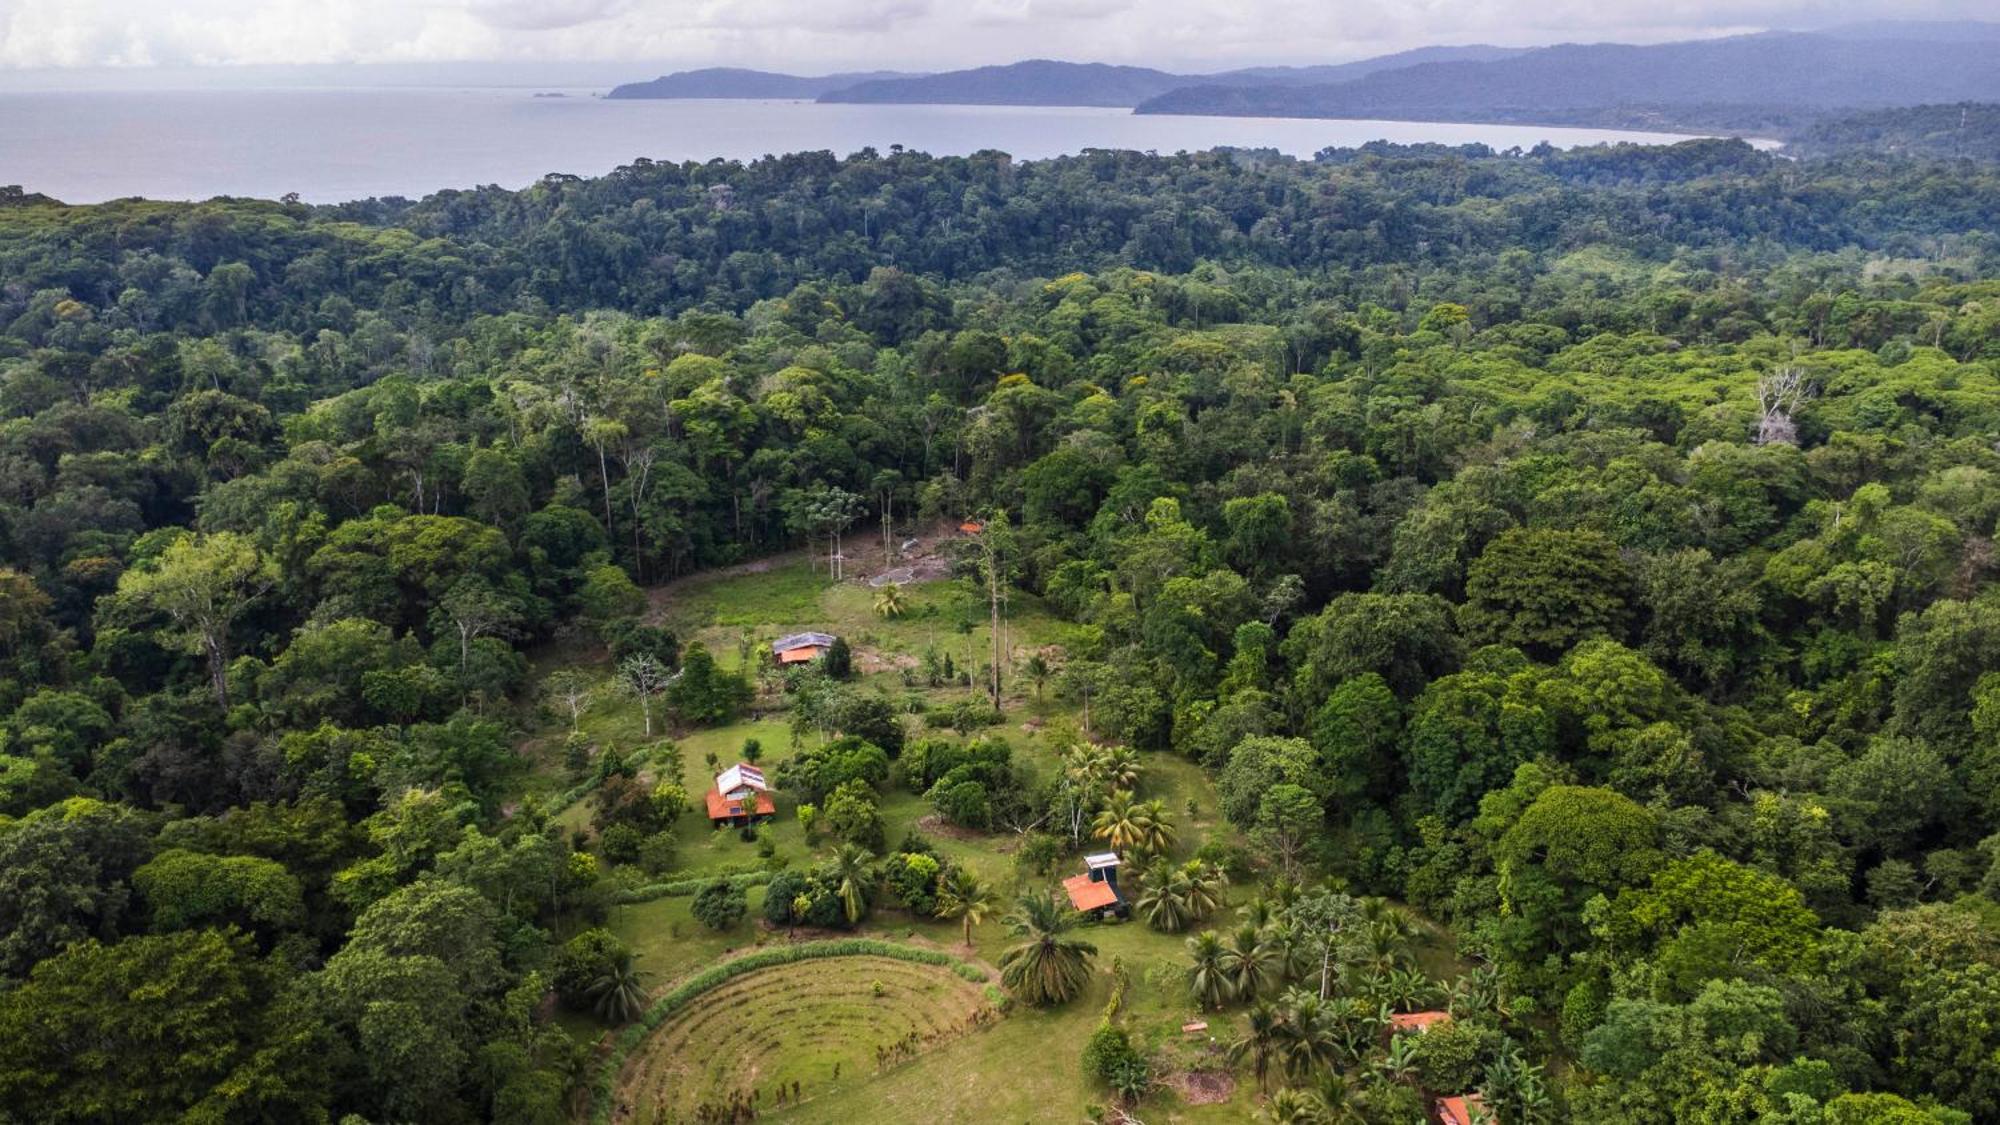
1587, 553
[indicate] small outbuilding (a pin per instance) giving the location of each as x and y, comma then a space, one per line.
1095, 892
799, 648
1463, 1110
1416, 1021
741, 797
971, 527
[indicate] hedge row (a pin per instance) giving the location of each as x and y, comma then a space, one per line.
601, 1101
681, 888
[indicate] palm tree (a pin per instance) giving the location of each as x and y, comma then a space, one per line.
1207, 978
1121, 767
965, 896
850, 873
1205, 884
890, 601
1038, 672
1048, 966
1164, 893
1119, 822
1157, 833
1260, 1040
1292, 1107
1252, 961
1311, 1042
618, 994
1408, 989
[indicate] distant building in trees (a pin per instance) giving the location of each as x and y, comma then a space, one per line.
799, 648
1416, 1021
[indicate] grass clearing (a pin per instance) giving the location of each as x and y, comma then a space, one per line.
826, 1025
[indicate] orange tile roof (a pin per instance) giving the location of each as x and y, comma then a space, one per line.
722, 808
1458, 1111
972, 527
800, 655
1416, 1021
1087, 894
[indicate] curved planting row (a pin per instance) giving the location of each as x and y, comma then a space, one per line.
698, 987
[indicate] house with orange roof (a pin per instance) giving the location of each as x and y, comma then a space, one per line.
1416, 1021
799, 648
741, 797
1095, 892
1466, 1109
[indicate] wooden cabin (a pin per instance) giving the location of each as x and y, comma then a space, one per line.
741, 797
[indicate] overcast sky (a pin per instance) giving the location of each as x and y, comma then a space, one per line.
826, 35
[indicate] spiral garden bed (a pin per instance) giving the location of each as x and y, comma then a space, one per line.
773, 1028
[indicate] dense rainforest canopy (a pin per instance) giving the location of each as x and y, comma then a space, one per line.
1598, 544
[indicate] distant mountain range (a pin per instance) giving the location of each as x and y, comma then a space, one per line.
735, 82
1803, 70
1774, 80
1033, 82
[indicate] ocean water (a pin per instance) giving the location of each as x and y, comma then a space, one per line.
339, 144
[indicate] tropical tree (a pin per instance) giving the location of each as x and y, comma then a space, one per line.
1163, 898
965, 896
1120, 823
1261, 1042
1156, 831
850, 877
1208, 978
618, 993
1049, 965
1253, 961
203, 585
890, 601
644, 677
1038, 671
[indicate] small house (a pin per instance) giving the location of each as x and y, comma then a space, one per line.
799, 648
741, 797
1466, 1109
1416, 1021
971, 527
1095, 892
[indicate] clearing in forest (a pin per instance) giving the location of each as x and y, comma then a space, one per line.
820, 1024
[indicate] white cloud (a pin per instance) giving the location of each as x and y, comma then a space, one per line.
819, 35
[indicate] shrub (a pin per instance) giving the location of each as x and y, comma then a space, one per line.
620, 843
580, 960
657, 853
720, 905
1107, 1053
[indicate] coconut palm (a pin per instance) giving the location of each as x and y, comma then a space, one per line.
1157, 833
890, 601
1311, 1040
1038, 671
965, 896
1164, 898
618, 994
1292, 1107
1049, 965
1206, 882
1120, 822
1121, 767
1207, 979
851, 875
1261, 1041
1252, 960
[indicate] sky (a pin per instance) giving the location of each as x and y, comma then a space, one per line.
129, 41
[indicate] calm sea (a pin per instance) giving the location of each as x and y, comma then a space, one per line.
332, 145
